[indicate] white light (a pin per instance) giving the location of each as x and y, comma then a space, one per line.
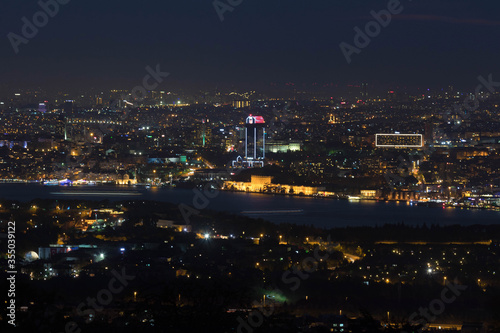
207, 236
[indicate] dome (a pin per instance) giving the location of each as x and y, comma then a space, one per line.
31, 256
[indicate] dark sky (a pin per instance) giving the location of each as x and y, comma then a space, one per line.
108, 43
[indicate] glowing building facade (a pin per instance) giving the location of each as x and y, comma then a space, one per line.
255, 143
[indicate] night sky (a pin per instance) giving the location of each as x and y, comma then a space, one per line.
108, 43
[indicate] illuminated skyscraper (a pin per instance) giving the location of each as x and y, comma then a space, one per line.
255, 144
364, 91
204, 132
69, 108
255, 138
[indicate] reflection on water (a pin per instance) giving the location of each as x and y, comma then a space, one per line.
320, 212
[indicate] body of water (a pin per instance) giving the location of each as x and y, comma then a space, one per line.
275, 208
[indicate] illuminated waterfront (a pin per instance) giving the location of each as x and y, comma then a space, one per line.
299, 210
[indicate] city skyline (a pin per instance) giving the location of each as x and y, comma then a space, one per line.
250, 166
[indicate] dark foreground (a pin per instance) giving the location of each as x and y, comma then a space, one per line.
143, 266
